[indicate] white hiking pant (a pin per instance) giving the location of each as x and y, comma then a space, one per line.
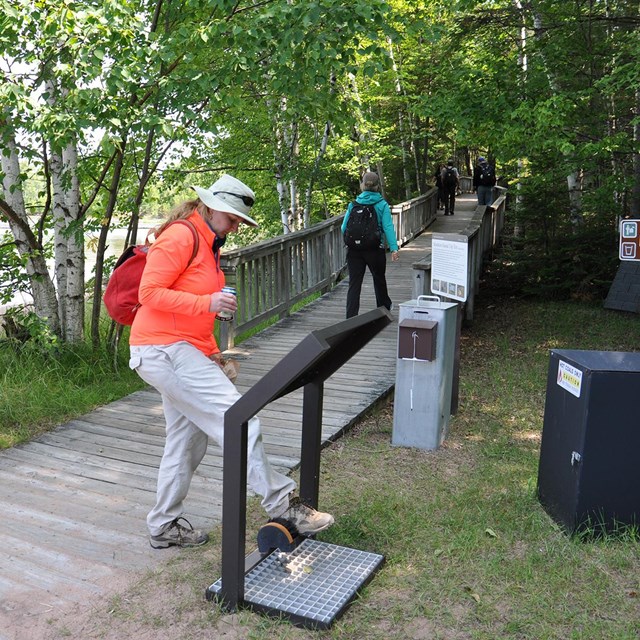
195, 395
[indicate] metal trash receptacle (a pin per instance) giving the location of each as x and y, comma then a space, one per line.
588, 475
424, 372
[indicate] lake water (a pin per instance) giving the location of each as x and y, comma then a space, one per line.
115, 246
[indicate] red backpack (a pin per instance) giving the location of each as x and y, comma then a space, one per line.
121, 295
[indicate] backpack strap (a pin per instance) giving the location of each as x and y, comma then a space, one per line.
196, 240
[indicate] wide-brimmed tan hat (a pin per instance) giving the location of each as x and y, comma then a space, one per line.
230, 195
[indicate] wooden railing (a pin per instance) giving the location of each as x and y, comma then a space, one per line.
272, 276
483, 233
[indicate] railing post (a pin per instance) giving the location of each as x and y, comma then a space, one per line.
269, 281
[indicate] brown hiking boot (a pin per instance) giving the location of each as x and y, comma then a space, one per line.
177, 535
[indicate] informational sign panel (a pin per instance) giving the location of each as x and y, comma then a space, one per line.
449, 266
630, 240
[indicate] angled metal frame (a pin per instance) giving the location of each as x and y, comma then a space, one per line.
308, 365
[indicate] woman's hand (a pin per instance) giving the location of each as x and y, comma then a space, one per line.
394, 256
222, 302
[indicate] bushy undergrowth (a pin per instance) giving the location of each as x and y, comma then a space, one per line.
581, 265
550, 250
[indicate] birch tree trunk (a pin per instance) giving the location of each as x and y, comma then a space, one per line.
518, 229
574, 181
292, 150
279, 154
282, 199
401, 126
69, 242
29, 247
314, 173
59, 240
74, 300
635, 189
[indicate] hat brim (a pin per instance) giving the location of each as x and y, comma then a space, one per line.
218, 204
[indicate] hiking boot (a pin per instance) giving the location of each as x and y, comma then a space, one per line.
307, 520
177, 535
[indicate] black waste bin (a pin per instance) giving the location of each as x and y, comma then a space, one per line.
589, 472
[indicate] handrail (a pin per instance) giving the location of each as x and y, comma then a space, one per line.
273, 275
483, 232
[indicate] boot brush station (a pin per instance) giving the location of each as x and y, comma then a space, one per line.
307, 581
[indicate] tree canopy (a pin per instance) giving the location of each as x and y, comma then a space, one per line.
110, 110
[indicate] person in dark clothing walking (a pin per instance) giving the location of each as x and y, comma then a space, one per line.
484, 179
450, 182
359, 259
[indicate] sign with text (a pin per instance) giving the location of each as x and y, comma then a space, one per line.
569, 378
630, 240
449, 266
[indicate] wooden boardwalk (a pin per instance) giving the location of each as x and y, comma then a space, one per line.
75, 500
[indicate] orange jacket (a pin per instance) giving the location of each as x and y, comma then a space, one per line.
175, 297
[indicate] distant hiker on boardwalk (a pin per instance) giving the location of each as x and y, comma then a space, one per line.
450, 183
366, 221
174, 350
438, 178
484, 179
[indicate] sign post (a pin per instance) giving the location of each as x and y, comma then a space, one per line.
630, 240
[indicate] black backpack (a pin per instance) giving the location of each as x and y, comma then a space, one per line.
487, 175
362, 230
449, 179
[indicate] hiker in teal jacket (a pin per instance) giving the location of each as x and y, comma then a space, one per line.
359, 259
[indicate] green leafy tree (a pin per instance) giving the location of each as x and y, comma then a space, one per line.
112, 87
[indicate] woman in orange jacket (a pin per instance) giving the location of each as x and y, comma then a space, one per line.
172, 345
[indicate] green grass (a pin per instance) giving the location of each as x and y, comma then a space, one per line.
40, 389
470, 553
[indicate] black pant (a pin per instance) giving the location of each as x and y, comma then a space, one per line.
449, 200
357, 262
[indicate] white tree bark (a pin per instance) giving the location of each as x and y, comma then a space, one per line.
282, 200
574, 181
283, 196
290, 135
68, 234
74, 298
401, 127
316, 166
29, 248
518, 229
60, 242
